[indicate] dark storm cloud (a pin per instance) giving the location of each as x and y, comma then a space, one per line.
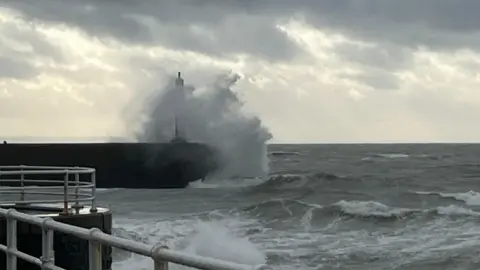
438, 23
249, 25
126, 21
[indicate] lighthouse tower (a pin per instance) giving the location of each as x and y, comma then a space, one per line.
179, 84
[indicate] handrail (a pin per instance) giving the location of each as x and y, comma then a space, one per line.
160, 255
66, 190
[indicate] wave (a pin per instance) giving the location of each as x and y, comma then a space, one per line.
388, 156
213, 114
382, 156
226, 183
295, 181
392, 155
297, 209
211, 235
284, 153
471, 197
379, 210
276, 181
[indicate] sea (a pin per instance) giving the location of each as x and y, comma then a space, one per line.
364, 206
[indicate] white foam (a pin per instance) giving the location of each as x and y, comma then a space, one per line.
453, 210
227, 183
370, 208
212, 239
222, 239
393, 155
470, 197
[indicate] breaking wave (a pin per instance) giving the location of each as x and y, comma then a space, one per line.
471, 197
213, 115
353, 209
275, 181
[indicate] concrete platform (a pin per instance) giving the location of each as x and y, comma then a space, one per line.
70, 252
121, 165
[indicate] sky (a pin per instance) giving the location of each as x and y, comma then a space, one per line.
313, 71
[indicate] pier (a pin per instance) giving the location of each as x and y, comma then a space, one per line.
49, 219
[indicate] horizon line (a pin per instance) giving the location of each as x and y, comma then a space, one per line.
34, 139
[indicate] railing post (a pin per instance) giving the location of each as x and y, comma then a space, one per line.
48, 256
65, 192
157, 263
94, 251
93, 208
76, 206
22, 184
11, 241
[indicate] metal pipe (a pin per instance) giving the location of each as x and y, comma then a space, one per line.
159, 264
11, 239
94, 251
48, 257
22, 184
76, 206
93, 208
65, 193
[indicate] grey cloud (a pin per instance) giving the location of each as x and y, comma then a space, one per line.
91, 16
444, 15
377, 62
252, 35
440, 24
125, 21
17, 69
248, 26
379, 80
375, 78
17, 62
385, 56
38, 45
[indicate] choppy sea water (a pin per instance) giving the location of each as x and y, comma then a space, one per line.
322, 207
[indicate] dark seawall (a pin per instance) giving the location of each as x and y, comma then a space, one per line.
121, 165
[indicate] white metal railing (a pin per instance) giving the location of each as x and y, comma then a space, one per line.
160, 255
68, 188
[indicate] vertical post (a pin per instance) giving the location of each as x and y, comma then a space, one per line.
11, 240
48, 256
65, 193
159, 264
77, 185
94, 251
22, 184
94, 255
93, 208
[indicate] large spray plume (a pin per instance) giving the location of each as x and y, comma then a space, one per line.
213, 116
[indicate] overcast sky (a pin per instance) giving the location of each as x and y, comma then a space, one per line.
312, 70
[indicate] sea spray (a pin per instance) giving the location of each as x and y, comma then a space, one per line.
212, 239
214, 116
